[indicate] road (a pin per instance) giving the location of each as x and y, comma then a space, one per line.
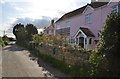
16, 63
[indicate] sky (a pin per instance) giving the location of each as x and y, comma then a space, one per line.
37, 12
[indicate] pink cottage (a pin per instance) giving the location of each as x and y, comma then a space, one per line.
83, 25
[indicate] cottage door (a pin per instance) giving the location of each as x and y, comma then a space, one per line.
81, 42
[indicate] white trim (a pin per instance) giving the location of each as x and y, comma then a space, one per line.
113, 1
81, 32
109, 2
58, 26
116, 7
67, 23
84, 36
88, 6
90, 46
88, 18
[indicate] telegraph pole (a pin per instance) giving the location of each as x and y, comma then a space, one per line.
4, 33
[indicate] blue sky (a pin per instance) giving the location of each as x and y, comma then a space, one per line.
38, 12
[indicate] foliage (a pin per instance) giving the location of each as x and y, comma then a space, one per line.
30, 30
94, 61
52, 61
37, 38
24, 34
50, 39
104, 61
1, 42
76, 70
20, 32
107, 52
59, 40
5, 40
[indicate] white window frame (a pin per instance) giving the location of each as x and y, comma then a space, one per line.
88, 18
114, 8
58, 26
67, 23
71, 40
90, 41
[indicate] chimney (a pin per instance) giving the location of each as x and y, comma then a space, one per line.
52, 22
92, 1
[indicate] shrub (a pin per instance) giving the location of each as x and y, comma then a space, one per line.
109, 44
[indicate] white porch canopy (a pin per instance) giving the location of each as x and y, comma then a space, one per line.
83, 37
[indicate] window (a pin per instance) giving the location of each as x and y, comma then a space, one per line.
76, 40
72, 40
88, 18
58, 26
90, 41
115, 8
68, 24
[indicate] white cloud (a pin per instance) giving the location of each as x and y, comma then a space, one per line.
49, 8
2, 1
6, 25
19, 9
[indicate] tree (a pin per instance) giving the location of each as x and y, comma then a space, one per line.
109, 44
31, 30
19, 32
5, 39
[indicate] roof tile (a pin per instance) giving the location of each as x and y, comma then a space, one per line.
87, 32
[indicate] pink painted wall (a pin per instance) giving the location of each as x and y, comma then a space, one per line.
99, 16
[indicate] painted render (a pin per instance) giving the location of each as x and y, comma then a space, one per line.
99, 16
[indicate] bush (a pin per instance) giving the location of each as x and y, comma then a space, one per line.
2, 43
109, 44
76, 70
5, 40
54, 62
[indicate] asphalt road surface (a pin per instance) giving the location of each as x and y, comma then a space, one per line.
16, 63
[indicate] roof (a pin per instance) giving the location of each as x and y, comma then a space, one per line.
98, 4
72, 13
65, 31
51, 27
48, 28
80, 10
87, 32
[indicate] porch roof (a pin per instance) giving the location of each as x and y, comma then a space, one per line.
87, 32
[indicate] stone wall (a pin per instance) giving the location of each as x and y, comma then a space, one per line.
68, 54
